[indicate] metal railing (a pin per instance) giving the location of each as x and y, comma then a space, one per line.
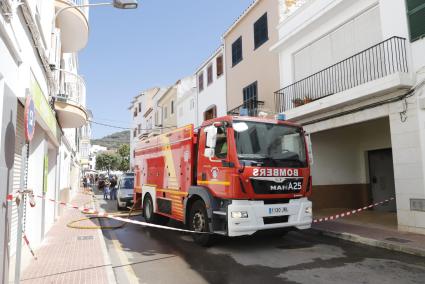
72, 89
84, 10
376, 62
250, 108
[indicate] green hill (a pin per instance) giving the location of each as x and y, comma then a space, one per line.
114, 140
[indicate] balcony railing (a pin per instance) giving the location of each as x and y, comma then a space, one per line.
378, 61
84, 10
250, 108
72, 89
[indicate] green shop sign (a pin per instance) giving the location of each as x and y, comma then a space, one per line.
43, 108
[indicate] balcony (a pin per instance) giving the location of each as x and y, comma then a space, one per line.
70, 102
249, 108
377, 70
73, 24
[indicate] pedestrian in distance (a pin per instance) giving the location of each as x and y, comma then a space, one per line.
88, 183
114, 188
107, 190
85, 183
92, 180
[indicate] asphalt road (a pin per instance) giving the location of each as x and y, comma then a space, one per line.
148, 255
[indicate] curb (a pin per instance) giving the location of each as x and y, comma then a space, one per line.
370, 242
108, 265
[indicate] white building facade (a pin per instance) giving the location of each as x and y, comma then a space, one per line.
94, 151
211, 87
38, 58
351, 72
186, 102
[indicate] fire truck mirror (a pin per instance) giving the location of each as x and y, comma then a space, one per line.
211, 132
209, 152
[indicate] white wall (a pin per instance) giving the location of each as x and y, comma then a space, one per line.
186, 102
38, 148
136, 120
213, 94
340, 154
310, 23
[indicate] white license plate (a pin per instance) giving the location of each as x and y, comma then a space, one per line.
278, 210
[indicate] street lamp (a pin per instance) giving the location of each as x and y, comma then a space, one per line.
120, 4
125, 4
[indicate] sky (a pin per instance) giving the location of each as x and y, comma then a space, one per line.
132, 50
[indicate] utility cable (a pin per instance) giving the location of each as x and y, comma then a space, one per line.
128, 128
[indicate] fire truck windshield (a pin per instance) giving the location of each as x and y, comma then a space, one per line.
269, 145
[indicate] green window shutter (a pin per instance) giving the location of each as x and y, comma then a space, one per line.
416, 16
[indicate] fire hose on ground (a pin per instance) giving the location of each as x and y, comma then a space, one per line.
96, 216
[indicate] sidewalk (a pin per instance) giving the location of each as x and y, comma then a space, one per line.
361, 229
71, 255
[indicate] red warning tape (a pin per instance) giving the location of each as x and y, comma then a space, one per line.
28, 245
348, 213
95, 213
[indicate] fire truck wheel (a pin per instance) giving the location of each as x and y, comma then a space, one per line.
198, 221
149, 215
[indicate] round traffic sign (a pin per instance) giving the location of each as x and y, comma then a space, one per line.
29, 118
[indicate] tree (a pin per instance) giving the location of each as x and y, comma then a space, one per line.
107, 161
124, 153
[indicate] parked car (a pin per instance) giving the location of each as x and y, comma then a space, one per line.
125, 191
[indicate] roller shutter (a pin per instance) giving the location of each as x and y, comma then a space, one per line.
18, 168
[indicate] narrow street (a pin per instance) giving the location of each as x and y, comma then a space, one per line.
156, 256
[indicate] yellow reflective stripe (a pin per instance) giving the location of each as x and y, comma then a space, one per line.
175, 192
213, 182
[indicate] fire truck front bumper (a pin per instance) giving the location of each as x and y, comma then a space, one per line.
245, 217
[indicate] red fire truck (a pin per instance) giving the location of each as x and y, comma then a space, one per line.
234, 176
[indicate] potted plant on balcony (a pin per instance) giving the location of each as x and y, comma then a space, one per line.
307, 100
297, 102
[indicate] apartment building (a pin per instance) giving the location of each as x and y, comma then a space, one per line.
352, 73
211, 87
252, 71
142, 111
39, 59
167, 103
94, 151
186, 101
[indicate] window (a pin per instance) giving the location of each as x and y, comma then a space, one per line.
201, 82
140, 107
237, 51
250, 99
261, 141
210, 113
209, 74
219, 64
135, 132
416, 18
165, 112
261, 34
220, 149
172, 107
135, 112
139, 128
192, 104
